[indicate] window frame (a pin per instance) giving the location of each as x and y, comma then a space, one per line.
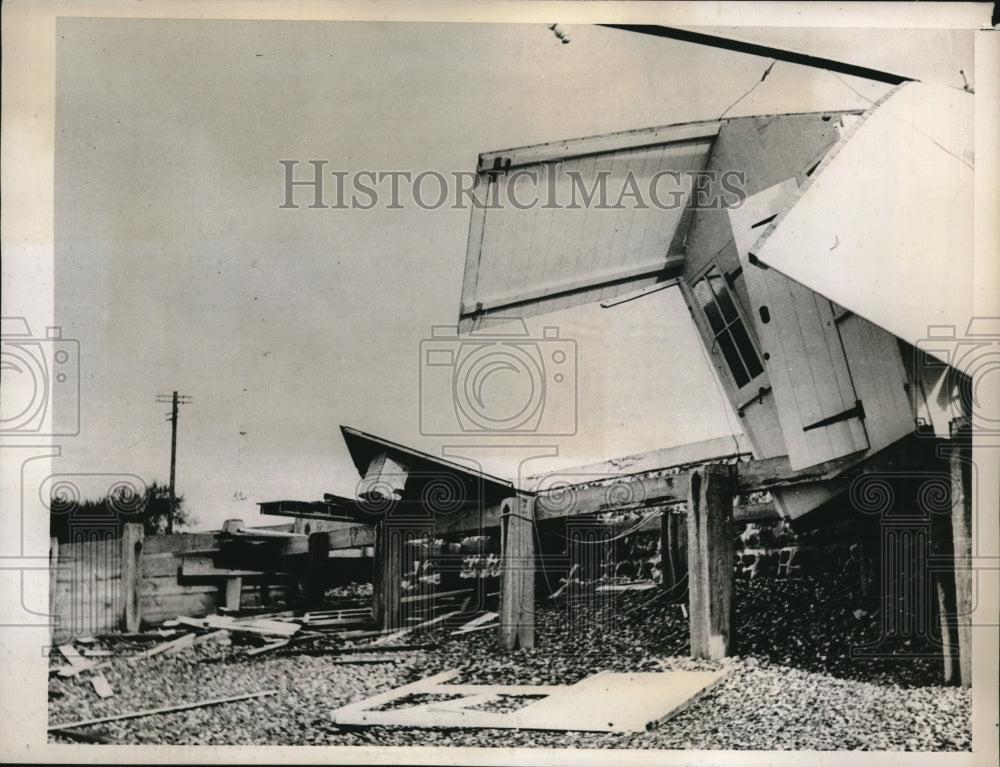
736, 317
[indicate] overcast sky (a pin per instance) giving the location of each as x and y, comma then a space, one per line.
177, 269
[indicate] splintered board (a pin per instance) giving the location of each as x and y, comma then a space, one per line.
605, 702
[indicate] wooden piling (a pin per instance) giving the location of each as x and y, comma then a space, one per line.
517, 600
54, 611
131, 576
673, 554
960, 463
387, 575
710, 561
318, 563
234, 592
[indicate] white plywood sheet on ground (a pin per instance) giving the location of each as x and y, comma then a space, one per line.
884, 226
605, 702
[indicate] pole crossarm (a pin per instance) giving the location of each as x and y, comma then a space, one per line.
175, 401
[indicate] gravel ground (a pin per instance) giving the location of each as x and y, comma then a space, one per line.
794, 685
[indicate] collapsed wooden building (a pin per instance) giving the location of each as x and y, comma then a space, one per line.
822, 309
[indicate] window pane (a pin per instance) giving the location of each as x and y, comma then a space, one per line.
728, 348
707, 301
747, 351
725, 300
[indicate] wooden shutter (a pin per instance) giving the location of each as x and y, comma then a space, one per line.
819, 411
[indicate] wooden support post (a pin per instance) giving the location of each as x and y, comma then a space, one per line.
234, 592
961, 536
710, 561
316, 575
388, 575
517, 600
673, 554
131, 576
54, 611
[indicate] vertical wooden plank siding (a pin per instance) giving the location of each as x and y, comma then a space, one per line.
710, 561
517, 605
879, 378
131, 576
805, 359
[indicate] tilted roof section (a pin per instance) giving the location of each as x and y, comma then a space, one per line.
577, 221
884, 226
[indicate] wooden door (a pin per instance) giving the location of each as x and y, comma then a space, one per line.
819, 411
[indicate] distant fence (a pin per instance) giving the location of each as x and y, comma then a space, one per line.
96, 576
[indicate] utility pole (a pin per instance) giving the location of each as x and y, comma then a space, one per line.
174, 400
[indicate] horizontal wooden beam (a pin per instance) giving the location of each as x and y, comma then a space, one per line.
613, 495
668, 267
581, 147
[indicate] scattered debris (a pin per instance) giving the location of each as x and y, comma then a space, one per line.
185, 640
434, 596
254, 626
222, 635
268, 647
366, 659
476, 622
626, 587
101, 686
77, 663
164, 710
411, 629
566, 582
605, 702
85, 737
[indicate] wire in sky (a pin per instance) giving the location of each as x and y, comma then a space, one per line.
763, 77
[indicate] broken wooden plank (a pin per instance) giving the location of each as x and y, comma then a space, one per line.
163, 710
214, 636
626, 587
268, 647
77, 663
171, 646
604, 702
361, 659
85, 737
412, 629
374, 648
439, 595
253, 626
479, 620
566, 582
487, 627
101, 686
323, 615
204, 567
70, 653
72, 671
